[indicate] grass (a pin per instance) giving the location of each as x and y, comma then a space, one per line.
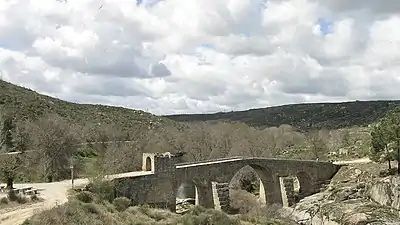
81, 213
89, 208
13, 200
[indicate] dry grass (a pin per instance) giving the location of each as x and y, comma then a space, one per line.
87, 208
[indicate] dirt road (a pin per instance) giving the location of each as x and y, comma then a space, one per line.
355, 161
53, 194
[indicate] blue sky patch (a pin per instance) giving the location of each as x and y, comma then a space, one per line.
147, 3
207, 45
326, 26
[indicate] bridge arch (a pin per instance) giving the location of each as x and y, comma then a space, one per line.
186, 194
266, 189
306, 184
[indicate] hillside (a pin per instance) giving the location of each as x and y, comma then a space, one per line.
32, 105
303, 116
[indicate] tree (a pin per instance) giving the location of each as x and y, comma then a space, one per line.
380, 140
200, 141
6, 136
318, 146
56, 139
393, 128
10, 162
384, 136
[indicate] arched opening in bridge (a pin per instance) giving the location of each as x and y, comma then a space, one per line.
186, 196
250, 187
303, 185
148, 164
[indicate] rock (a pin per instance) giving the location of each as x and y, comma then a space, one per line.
356, 219
386, 192
381, 193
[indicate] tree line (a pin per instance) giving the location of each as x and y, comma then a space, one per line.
56, 142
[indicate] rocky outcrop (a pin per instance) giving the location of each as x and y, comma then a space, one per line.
355, 197
386, 192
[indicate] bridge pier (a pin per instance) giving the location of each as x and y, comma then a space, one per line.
287, 187
205, 194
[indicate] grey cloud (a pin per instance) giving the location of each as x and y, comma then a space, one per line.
159, 70
93, 85
378, 7
330, 84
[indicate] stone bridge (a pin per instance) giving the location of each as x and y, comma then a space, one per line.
209, 179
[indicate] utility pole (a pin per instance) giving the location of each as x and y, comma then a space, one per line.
72, 172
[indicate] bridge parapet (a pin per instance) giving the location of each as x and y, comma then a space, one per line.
161, 162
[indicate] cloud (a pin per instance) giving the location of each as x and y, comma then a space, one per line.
172, 56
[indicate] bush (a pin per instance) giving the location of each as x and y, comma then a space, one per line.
122, 203
4, 200
12, 195
85, 197
103, 189
22, 199
243, 201
34, 198
26, 222
91, 208
208, 216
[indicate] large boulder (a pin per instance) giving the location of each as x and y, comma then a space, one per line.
386, 192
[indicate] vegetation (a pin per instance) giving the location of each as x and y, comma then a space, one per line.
386, 139
87, 208
9, 168
303, 116
111, 139
12, 199
29, 105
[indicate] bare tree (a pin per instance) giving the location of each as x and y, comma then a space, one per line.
318, 145
199, 146
57, 140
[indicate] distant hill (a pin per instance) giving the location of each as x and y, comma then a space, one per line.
303, 116
32, 105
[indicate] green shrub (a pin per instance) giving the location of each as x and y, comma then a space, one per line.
122, 203
34, 198
200, 216
108, 206
4, 201
103, 189
26, 222
22, 199
85, 197
91, 208
12, 195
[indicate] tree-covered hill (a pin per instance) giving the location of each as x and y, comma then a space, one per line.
303, 116
31, 105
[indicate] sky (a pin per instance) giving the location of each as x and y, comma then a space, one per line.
202, 56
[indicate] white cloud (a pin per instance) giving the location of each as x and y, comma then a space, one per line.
173, 56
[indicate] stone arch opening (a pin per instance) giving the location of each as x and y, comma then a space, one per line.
148, 163
303, 186
187, 196
251, 186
